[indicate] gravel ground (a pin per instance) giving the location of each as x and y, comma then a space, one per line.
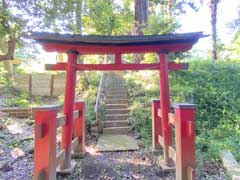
16, 150
133, 165
16, 157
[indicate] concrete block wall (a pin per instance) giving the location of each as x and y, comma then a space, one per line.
40, 84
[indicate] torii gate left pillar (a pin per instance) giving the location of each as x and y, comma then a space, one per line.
69, 98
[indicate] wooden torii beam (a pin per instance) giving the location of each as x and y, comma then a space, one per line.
75, 45
116, 67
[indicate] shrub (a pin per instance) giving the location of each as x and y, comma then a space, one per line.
212, 86
87, 90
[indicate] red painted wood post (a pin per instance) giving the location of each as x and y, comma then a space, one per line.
30, 84
165, 106
185, 141
52, 84
45, 142
118, 58
67, 129
79, 130
156, 125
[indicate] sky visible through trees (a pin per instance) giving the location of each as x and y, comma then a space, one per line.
199, 21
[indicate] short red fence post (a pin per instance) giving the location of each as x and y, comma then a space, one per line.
79, 130
185, 141
45, 142
156, 125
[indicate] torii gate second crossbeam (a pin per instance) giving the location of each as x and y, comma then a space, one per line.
75, 45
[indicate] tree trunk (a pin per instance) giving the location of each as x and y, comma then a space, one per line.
78, 12
213, 8
170, 9
8, 66
141, 16
9, 54
11, 41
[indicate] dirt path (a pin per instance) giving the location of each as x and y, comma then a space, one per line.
131, 165
16, 157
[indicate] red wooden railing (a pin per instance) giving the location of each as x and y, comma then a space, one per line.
46, 162
184, 152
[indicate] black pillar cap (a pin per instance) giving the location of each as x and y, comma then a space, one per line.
47, 108
184, 106
72, 51
155, 100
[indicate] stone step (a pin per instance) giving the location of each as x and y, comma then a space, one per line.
116, 93
115, 123
116, 117
120, 88
117, 130
116, 96
114, 81
117, 111
117, 142
115, 85
111, 75
116, 101
116, 106
111, 78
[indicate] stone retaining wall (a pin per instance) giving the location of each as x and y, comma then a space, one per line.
18, 112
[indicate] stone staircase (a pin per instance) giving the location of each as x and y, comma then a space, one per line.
116, 105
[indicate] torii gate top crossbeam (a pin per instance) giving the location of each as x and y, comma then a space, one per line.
95, 44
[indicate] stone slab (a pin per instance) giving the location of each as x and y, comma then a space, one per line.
66, 171
108, 143
231, 165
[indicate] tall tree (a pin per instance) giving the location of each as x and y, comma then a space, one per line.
79, 12
213, 8
140, 17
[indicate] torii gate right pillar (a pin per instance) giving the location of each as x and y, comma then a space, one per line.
165, 106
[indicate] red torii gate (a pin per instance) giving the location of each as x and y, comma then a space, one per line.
163, 120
